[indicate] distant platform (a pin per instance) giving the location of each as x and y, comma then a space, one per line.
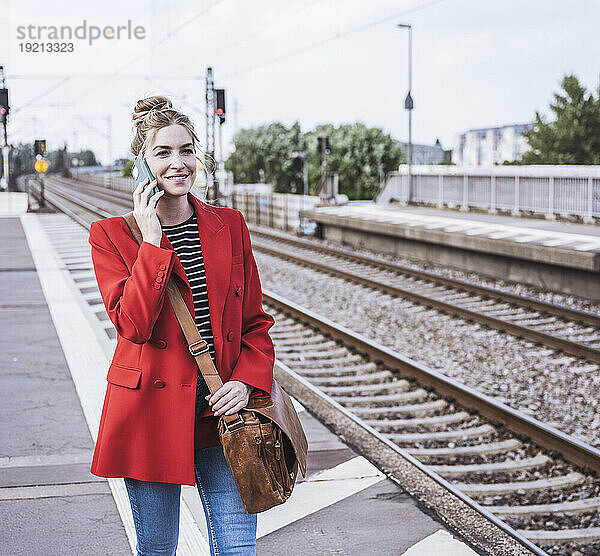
535, 223
553, 255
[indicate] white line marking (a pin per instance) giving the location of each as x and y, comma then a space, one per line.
50, 459
297, 405
88, 364
441, 543
319, 491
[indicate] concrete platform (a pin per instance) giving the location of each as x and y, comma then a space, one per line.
56, 348
556, 256
49, 501
538, 224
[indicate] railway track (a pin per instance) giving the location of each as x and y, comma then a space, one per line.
571, 331
540, 482
519, 469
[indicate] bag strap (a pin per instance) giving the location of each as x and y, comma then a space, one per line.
197, 346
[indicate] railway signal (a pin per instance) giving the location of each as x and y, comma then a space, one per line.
220, 105
323, 145
4, 105
323, 149
41, 166
39, 147
219, 108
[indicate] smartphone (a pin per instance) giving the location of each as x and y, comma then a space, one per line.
140, 171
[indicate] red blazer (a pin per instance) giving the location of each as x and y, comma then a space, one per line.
148, 418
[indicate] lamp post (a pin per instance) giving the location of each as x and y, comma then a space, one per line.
409, 105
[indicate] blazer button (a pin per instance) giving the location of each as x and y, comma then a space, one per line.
159, 383
238, 291
159, 279
229, 335
161, 272
161, 343
156, 286
162, 267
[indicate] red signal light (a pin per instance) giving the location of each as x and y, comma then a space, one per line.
2, 110
219, 111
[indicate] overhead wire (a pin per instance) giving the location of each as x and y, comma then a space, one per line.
118, 71
337, 35
255, 28
170, 34
42, 94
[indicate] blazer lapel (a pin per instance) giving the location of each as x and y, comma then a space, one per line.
215, 241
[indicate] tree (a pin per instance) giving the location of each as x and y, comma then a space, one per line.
574, 135
268, 149
59, 162
126, 171
87, 158
360, 156
23, 159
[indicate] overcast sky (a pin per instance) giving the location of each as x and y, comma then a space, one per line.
476, 63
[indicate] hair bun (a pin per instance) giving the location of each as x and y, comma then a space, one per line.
153, 113
145, 105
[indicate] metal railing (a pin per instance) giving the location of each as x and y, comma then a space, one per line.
548, 190
110, 181
275, 210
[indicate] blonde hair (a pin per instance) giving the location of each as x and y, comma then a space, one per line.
155, 112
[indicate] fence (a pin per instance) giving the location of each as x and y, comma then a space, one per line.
119, 183
110, 181
549, 190
276, 210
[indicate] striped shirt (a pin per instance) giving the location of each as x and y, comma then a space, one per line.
186, 242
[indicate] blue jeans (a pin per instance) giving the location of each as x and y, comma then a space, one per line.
155, 509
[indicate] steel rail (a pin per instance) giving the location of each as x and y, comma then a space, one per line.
526, 302
526, 332
572, 449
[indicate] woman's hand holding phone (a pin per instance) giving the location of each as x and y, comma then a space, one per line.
144, 210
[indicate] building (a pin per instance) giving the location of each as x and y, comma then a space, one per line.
491, 145
428, 154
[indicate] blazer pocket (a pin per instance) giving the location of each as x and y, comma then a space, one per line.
238, 259
123, 376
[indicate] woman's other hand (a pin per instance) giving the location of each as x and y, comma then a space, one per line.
144, 210
230, 398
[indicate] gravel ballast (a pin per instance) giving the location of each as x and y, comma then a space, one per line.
557, 389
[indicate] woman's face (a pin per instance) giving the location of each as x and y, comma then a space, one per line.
172, 160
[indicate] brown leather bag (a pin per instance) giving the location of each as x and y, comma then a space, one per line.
264, 443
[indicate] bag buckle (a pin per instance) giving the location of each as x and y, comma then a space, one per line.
238, 420
201, 350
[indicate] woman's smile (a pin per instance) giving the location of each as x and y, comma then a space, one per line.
178, 178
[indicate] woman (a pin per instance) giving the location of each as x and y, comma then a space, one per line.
158, 422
